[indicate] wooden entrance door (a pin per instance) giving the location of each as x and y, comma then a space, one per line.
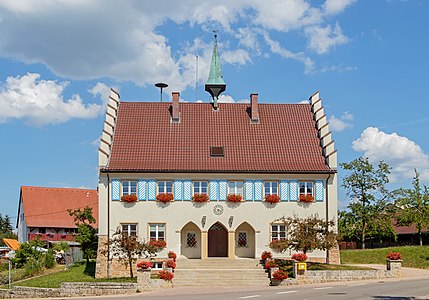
218, 241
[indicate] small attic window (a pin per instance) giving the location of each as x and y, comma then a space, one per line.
217, 151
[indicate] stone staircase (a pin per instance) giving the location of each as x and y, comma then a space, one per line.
219, 272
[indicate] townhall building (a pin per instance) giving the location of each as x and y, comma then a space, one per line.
210, 151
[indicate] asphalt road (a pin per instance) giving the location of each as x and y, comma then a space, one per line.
389, 290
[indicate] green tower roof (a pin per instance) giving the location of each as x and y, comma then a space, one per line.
215, 76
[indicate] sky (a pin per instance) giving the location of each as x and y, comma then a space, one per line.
59, 58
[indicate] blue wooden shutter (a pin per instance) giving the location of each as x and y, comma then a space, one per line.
116, 189
178, 190
257, 190
142, 189
187, 189
293, 190
284, 190
319, 190
223, 187
151, 189
248, 190
214, 190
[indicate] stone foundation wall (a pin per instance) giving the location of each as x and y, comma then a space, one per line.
344, 275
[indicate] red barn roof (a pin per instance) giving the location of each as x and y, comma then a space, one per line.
47, 207
285, 139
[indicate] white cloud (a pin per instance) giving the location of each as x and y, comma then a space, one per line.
337, 68
401, 153
304, 102
341, 123
336, 6
226, 99
41, 102
101, 90
239, 56
322, 39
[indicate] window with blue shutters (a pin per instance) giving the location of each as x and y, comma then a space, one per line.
165, 187
235, 187
271, 188
200, 187
116, 189
319, 190
129, 187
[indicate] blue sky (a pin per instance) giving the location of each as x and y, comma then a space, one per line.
368, 59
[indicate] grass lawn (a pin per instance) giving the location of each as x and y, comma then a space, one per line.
412, 256
76, 273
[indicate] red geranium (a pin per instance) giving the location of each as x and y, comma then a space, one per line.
265, 255
166, 275
129, 198
170, 264
172, 255
145, 265
394, 256
306, 198
200, 198
234, 198
279, 275
270, 264
164, 197
160, 244
272, 198
299, 257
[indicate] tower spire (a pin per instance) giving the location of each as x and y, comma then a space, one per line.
215, 84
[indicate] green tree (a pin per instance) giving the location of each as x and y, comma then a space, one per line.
87, 234
367, 215
6, 229
127, 249
306, 234
413, 207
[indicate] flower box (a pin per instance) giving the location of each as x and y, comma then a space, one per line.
270, 264
170, 264
299, 257
165, 197
166, 275
272, 198
279, 275
306, 198
145, 265
172, 255
394, 256
234, 198
200, 198
159, 244
129, 198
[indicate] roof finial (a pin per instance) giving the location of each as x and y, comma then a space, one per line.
215, 84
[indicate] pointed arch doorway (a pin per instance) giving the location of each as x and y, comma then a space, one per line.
218, 241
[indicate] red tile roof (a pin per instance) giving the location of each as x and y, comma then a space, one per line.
285, 140
47, 207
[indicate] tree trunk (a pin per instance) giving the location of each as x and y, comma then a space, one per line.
130, 262
420, 238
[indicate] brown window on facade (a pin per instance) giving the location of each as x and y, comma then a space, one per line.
217, 151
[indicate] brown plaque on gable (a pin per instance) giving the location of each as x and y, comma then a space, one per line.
217, 151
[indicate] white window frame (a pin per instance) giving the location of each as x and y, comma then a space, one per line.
199, 186
128, 228
157, 231
305, 185
163, 188
278, 232
128, 184
235, 189
269, 190
157, 265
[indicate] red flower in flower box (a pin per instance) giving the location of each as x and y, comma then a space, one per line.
172, 255
306, 198
160, 244
129, 198
279, 275
270, 264
299, 256
170, 264
200, 198
272, 198
166, 275
234, 198
265, 255
394, 256
145, 265
164, 197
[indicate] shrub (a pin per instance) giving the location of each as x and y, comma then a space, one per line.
279, 245
234, 198
272, 198
145, 265
200, 198
129, 198
172, 255
265, 255
170, 264
33, 266
299, 257
279, 275
49, 259
166, 275
164, 197
394, 256
270, 264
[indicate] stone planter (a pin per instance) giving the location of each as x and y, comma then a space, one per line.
275, 282
143, 279
394, 266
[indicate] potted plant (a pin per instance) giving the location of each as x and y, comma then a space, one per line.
272, 198
234, 198
266, 255
165, 197
306, 198
129, 198
166, 275
278, 276
170, 264
394, 261
299, 257
394, 256
145, 265
200, 198
270, 264
172, 255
